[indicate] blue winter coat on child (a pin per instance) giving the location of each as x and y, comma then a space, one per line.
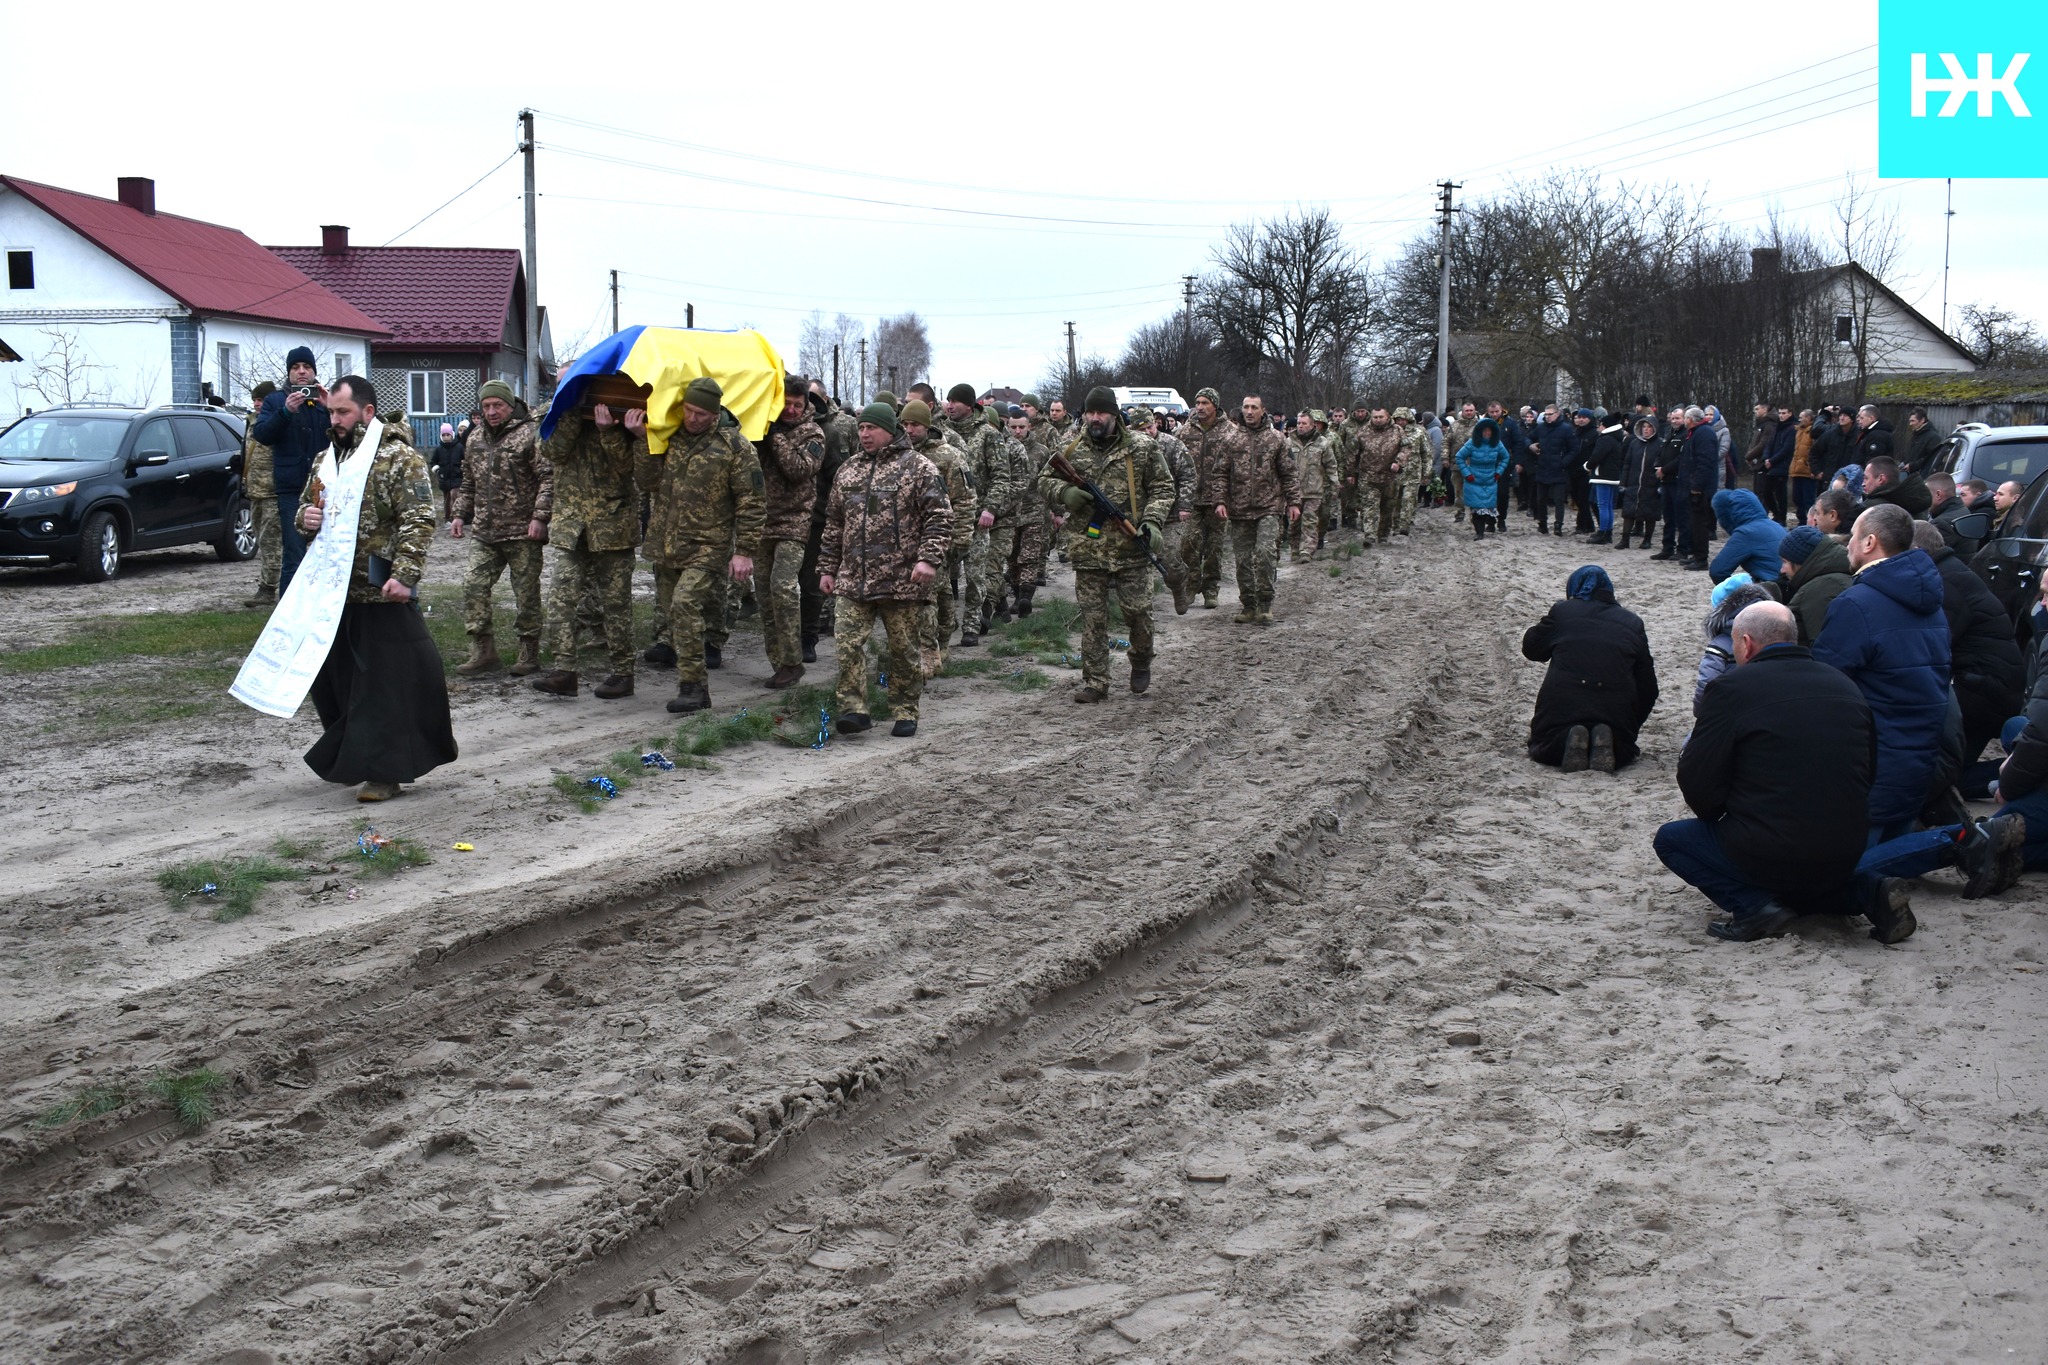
1753, 537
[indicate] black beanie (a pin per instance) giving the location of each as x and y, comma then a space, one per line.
299, 355
1100, 400
961, 393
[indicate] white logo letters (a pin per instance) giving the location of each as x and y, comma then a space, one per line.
1984, 86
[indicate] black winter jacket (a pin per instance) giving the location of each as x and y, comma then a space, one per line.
1829, 453
1641, 491
1601, 673
296, 439
1983, 652
1780, 760
1875, 441
1602, 459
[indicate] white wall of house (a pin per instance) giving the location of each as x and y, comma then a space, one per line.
1901, 340
259, 350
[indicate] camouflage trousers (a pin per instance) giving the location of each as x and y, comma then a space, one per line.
1255, 544
577, 574
988, 566
1026, 551
1133, 590
715, 620
1041, 548
938, 618
1202, 551
1175, 552
1411, 495
695, 591
487, 560
1306, 535
1376, 507
853, 622
778, 579
269, 543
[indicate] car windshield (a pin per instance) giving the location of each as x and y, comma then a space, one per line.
62, 438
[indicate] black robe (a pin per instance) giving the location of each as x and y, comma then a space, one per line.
382, 698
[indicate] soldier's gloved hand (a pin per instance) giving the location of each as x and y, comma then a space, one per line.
1155, 539
1075, 500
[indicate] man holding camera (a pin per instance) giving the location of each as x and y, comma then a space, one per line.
293, 423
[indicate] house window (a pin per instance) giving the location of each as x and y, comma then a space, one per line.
229, 357
344, 365
1845, 329
426, 393
21, 270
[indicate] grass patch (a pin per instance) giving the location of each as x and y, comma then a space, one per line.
377, 854
790, 719
236, 883
189, 1094
1050, 623
157, 635
972, 667
295, 850
88, 1103
1336, 571
1027, 680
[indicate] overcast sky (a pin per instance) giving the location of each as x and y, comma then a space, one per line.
1000, 169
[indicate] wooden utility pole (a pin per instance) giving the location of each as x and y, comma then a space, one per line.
863, 371
1073, 370
835, 372
1187, 330
1443, 297
689, 315
532, 375
615, 300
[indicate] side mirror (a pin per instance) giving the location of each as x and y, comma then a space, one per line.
150, 458
1973, 525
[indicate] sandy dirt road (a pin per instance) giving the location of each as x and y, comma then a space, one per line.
1287, 1013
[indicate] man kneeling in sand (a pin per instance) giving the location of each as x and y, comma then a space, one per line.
1778, 771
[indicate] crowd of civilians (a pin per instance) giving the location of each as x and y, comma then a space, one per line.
1853, 672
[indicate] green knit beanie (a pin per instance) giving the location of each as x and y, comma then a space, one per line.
961, 393
704, 394
495, 388
1032, 400
881, 415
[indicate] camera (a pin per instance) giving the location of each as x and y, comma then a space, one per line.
309, 393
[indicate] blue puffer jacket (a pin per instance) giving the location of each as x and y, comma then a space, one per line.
296, 439
1481, 461
1887, 632
1753, 537
1554, 447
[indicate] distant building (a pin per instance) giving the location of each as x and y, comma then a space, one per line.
456, 315
107, 300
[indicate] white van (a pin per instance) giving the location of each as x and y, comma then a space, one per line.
1159, 400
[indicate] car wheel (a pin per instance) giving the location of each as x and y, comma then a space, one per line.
99, 548
240, 541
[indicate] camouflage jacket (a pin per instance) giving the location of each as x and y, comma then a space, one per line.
790, 460
1209, 451
707, 493
1343, 436
952, 467
1414, 451
505, 481
397, 515
1132, 473
888, 513
1372, 455
842, 439
259, 479
592, 487
1315, 466
1253, 479
1182, 466
990, 464
1458, 431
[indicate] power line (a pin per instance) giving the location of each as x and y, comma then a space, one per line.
879, 222
465, 190
894, 300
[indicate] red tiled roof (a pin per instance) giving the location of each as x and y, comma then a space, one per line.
208, 268
431, 297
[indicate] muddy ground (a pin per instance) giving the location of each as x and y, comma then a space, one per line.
1286, 1013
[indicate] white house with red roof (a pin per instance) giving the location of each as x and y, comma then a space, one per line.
109, 300
457, 317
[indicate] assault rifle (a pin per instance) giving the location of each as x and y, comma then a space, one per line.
1107, 513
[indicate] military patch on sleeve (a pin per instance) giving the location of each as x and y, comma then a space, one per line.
759, 484
422, 489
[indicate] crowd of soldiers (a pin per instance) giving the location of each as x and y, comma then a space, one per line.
933, 518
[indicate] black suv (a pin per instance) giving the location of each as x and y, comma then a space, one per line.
90, 483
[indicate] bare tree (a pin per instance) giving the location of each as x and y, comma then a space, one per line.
1293, 295
1870, 236
2002, 339
902, 353
816, 342
65, 372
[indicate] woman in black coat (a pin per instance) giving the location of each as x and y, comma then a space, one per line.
1602, 683
1642, 496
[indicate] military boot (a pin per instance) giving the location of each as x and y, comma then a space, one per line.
1209, 600
483, 656
661, 654
714, 657
788, 675
1264, 615
1003, 606
614, 686
689, 697
810, 649
1024, 596
968, 639
557, 682
1180, 598
1246, 614
529, 656
265, 597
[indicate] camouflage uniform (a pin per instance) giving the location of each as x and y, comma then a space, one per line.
1132, 473
939, 617
1023, 557
259, 486
1373, 454
1456, 432
1343, 440
1039, 445
396, 520
708, 506
1182, 467
887, 513
1414, 469
991, 468
1253, 480
1210, 451
593, 527
842, 437
1316, 472
792, 456
505, 485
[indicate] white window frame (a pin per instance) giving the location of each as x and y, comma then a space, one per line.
421, 385
344, 365
228, 357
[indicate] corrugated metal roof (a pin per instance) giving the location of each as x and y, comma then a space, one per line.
429, 296
208, 268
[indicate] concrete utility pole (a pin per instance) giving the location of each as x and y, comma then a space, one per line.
615, 300
532, 377
1948, 228
863, 371
1187, 329
1073, 370
1443, 297
835, 372
689, 315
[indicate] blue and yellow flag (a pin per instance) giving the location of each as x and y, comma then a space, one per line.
667, 359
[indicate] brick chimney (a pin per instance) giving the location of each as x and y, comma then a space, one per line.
1765, 260
333, 240
138, 192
